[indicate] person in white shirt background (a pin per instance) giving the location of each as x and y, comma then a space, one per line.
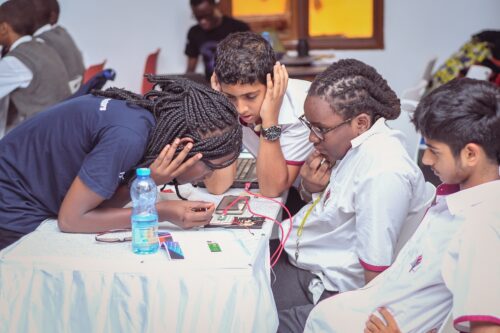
269, 105
348, 233
451, 262
57, 37
32, 75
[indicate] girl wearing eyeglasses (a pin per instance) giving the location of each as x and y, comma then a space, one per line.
348, 232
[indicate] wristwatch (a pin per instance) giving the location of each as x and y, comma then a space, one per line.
271, 133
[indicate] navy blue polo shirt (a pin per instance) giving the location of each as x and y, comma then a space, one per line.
95, 138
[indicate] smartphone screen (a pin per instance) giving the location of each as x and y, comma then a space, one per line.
237, 207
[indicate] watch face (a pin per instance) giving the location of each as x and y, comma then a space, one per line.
272, 133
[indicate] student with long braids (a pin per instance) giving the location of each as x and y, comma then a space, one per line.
73, 161
347, 234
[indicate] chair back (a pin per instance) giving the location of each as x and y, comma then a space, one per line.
149, 68
91, 71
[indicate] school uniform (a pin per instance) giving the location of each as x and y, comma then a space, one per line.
352, 226
97, 139
413, 288
355, 224
471, 268
33, 76
61, 41
13, 75
294, 140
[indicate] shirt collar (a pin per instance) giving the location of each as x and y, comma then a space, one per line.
21, 40
42, 29
379, 127
459, 202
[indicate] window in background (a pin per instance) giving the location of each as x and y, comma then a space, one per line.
337, 24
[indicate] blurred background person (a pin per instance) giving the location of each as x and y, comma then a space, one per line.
57, 37
202, 38
32, 74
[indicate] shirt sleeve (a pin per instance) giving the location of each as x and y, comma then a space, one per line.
13, 74
192, 49
295, 143
382, 202
475, 282
118, 150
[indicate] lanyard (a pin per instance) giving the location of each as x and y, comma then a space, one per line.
306, 216
302, 223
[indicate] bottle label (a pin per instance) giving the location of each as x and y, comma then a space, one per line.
145, 236
145, 233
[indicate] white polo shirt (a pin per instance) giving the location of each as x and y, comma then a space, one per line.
413, 288
13, 73
471, 265
373, 190
294, 138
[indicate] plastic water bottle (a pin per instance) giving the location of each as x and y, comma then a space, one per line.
144, 214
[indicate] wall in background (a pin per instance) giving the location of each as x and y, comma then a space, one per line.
125, 32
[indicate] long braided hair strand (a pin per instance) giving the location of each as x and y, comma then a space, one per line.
351, 87
183, 108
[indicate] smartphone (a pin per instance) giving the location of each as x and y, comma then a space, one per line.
236, 209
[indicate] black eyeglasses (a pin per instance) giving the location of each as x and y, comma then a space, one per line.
321, 131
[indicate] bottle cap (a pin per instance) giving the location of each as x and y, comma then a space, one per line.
142, 172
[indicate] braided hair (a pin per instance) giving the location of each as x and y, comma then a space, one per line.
183, 108
352, 87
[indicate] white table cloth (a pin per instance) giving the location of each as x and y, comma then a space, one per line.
56, 282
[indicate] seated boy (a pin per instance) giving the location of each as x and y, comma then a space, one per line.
449, 258
269, 105
31, 73
348, 234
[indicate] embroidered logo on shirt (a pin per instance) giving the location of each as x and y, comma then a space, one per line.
415, 263
104, 104
121, 175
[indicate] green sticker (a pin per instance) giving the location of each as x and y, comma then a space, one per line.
214, 247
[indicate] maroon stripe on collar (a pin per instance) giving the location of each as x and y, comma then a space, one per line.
446, 189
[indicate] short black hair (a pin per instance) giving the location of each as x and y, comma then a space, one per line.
43, 11
462, 111
20, 15
244, 57
197, 2
352, 87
